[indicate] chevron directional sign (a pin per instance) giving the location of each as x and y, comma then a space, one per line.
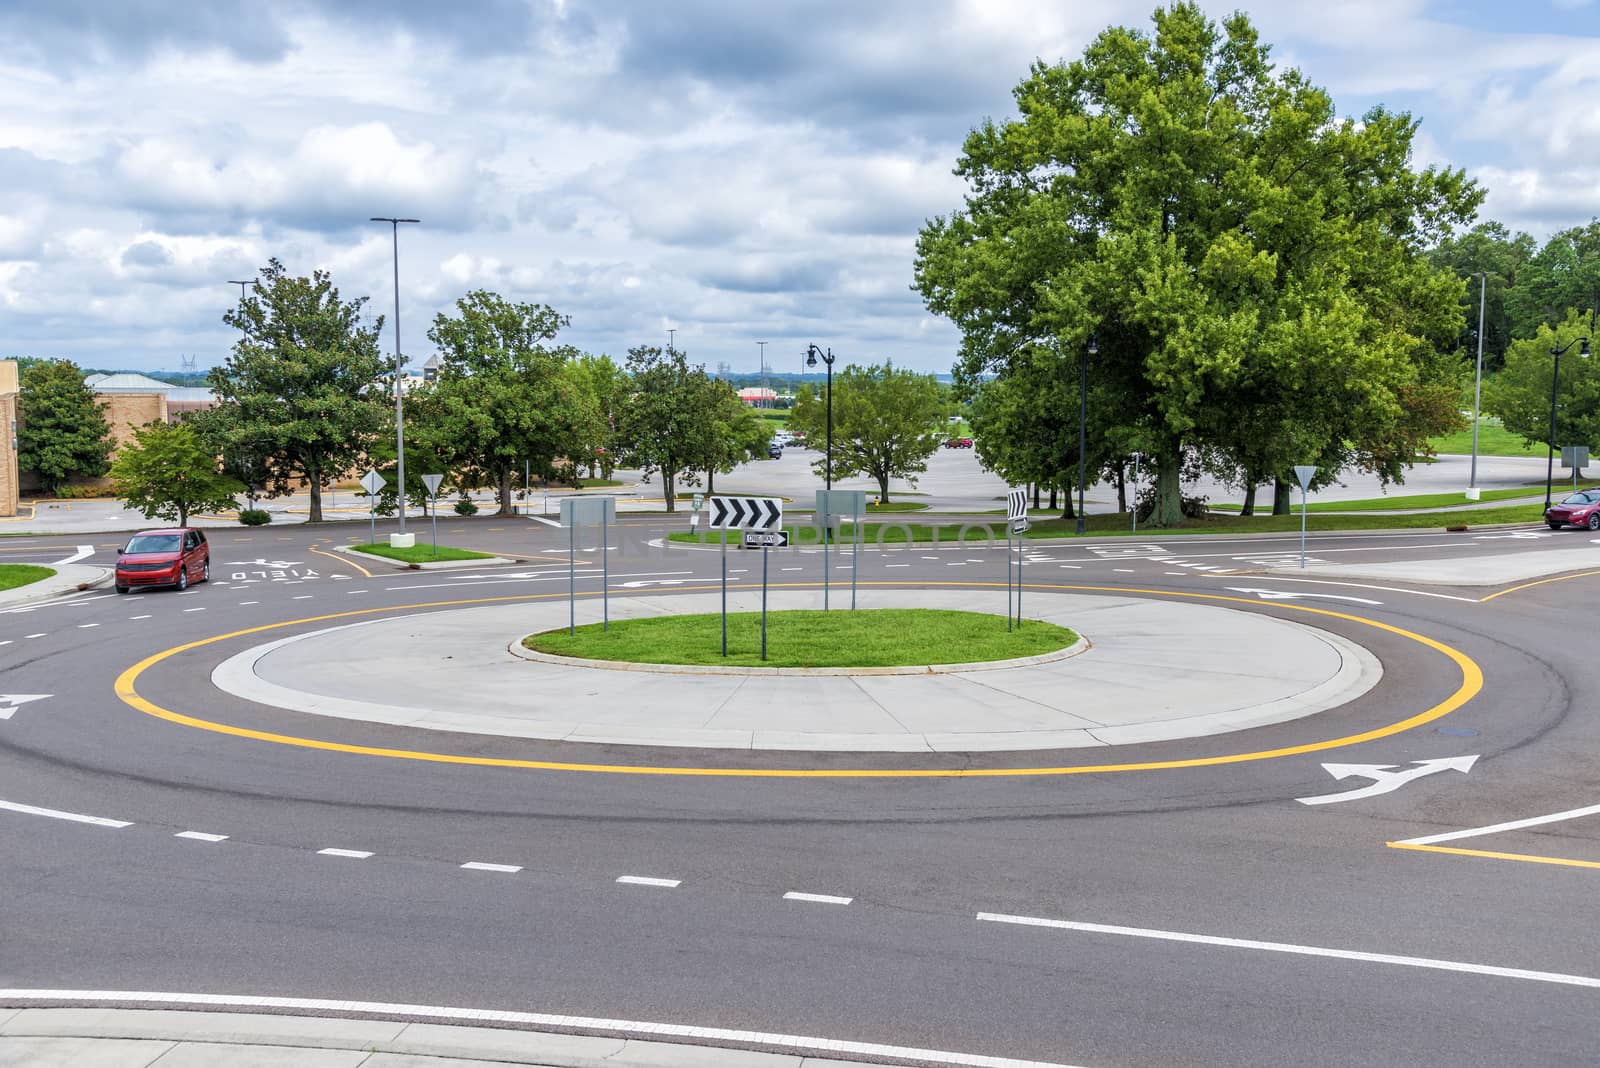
745, 513
1016, 504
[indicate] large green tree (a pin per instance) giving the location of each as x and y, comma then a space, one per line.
505, 398
1520, 394
1563, 276
663, 423
61, 432
168, 472
1492, 250
1220, 231
887, 421
305, 389
727, 432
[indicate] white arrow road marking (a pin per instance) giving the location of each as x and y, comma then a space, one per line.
1384, 778
10, 701
1285, 595
83, 553
638, 584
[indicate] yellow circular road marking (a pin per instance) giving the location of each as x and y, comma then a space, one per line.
1471, 684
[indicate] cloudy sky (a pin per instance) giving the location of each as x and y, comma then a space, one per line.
736, 171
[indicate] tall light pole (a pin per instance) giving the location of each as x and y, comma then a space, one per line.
1089, 349
243, 285
1555, 378
1477, 387
399, 374
812, 352
764, 403
672, 335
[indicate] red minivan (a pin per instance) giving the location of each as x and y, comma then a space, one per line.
172, 557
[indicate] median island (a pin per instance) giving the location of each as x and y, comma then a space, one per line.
421, 553
882, 637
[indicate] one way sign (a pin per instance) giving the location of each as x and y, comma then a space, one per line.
746, 513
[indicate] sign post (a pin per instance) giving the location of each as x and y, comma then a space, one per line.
1136, 493
372, 482
588, 511
1577, 458
1303, 473
432, 484
1016, 523
761, 514
833, 504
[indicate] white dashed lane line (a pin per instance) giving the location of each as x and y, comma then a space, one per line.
201, 836
353, 854
243, 603
86, 626
817, 899
643, 880
41, 635
194, 609
57, 814
303, 597
139, 617
6, 642
478, 865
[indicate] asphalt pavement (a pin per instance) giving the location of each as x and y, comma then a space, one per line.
1401, 879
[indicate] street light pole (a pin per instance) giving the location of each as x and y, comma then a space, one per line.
1555, 379
243, 285
399, 374
763, 403
1477, 388
1090, 349
812, 352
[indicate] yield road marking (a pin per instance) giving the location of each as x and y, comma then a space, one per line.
57, 814
1384, 779
1299, 950
1286, 595
1471, 684
10, 702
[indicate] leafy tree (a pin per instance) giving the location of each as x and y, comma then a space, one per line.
504, 396
1563, 276
887, 421
305, 389
167, 472
1520, 394
1221, 232
61, 429
727, 433
664, 417
1492, 249
607, 387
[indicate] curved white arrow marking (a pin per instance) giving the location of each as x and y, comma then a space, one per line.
1384, 779
1285, 595
10, 701
83, 553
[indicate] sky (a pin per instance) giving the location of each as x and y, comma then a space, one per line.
735, 172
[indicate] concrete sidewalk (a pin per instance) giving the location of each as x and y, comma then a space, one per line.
1154, 670
161, 1038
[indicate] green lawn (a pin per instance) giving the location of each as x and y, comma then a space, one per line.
896, 506
14, 575
1493, 440
1416, 500
884, 637
421, 553
597, 483
893, 534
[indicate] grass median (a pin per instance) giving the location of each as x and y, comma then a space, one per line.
14, 575
882, 637
421, 553
1452, 502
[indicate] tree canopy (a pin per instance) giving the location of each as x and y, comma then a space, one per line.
168, 472
887, 421
305, 389
1520, 394
1225, 236
61, 430
662, 424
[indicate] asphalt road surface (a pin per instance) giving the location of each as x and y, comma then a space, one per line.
1189, 914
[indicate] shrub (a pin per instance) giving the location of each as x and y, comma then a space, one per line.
466, 507
255, 517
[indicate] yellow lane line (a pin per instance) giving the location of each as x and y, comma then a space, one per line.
343, 559
1528, 858
1471, 684
1541, 582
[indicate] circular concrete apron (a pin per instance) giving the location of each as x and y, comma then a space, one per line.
1154, 670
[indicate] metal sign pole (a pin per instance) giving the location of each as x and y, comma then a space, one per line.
372, 519
572, 577
724, 591
1302, 528
1008, 578
827, 525
855, 556
434, 514
764, 552
1019, 579
605, 574
1136, 493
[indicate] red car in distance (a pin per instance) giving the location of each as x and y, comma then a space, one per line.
174, 556
1581, 509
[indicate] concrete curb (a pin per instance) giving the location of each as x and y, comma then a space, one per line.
516, 648
118, 1037
432, 565
67, 580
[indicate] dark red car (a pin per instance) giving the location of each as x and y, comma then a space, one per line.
175, 556
958, 443
1581, 509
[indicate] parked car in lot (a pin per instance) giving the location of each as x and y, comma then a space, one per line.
175, 556
1581, 509
774, 451
958, 443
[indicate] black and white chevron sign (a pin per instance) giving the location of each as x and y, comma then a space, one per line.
746, 513
1016, 504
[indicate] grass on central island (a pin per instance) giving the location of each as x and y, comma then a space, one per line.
879, 637
421, 553
14, 575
